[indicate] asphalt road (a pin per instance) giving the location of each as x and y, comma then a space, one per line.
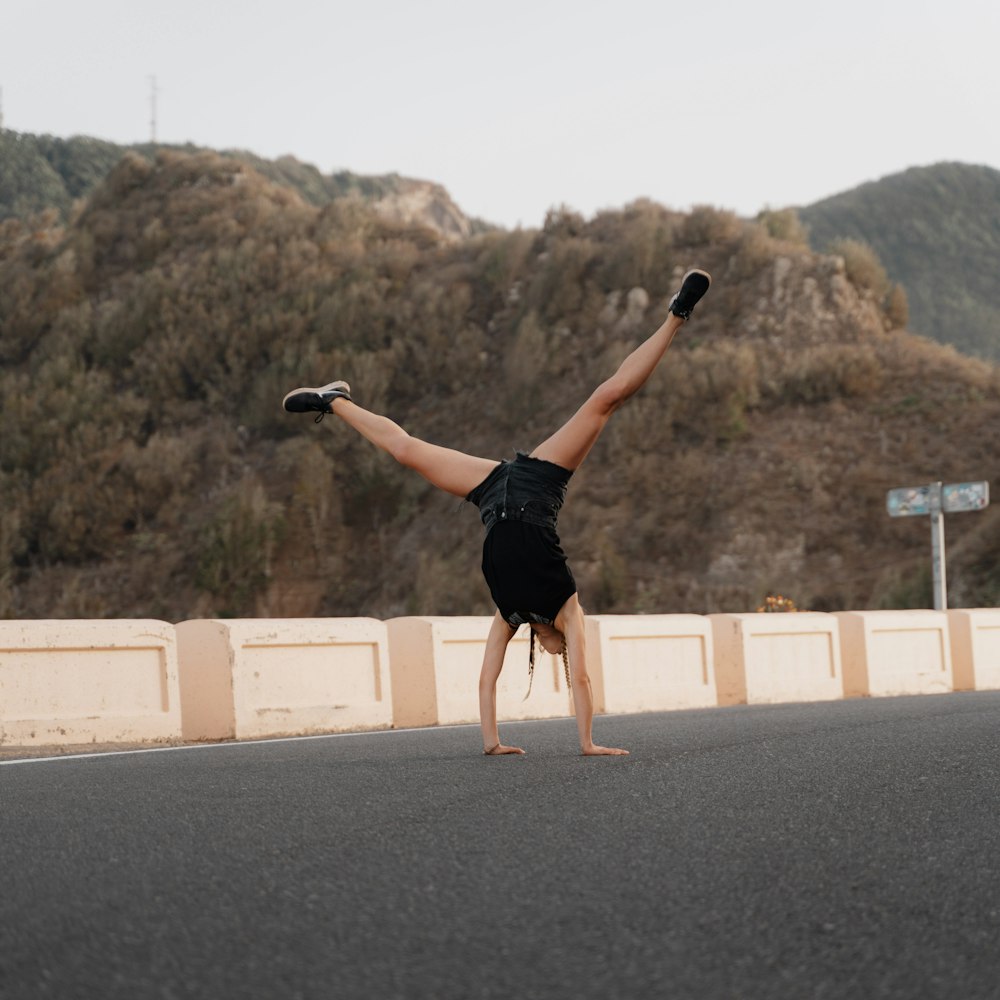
847, 849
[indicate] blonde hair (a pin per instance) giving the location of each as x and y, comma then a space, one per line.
531, 663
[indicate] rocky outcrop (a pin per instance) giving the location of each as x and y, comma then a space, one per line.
424, 203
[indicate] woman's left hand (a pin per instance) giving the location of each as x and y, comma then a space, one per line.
501, 749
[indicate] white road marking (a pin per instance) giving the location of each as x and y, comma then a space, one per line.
250, 743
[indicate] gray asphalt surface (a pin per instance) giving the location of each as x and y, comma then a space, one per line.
847, 849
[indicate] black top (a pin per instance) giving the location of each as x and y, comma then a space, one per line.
523, 562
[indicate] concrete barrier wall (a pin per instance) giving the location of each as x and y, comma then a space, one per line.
64, 682
650, 663
435, 665
270, 677
975, 648
68, 681
769, 658
895, 652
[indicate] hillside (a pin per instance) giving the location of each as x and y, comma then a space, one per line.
38, 173
937, 232
146, 468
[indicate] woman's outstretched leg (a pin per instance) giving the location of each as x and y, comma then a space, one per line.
449, 470
571, 444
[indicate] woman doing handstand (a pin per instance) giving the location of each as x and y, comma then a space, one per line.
519, 501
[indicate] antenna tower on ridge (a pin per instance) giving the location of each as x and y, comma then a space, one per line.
152, 109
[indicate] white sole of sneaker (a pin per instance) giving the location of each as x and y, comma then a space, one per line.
323, 388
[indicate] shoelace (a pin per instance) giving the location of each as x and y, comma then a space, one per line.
323, 413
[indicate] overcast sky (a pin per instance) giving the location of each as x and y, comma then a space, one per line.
518, 106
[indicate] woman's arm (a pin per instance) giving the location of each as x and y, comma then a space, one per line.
496, 647
570, 622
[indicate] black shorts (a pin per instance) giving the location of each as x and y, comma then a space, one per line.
527, 572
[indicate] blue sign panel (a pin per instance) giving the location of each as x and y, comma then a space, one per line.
957, 497
908, 501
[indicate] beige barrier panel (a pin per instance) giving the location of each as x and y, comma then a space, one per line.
78, 681
895, 652
257, 677
770, 658
975, 648
435, 674
650, 663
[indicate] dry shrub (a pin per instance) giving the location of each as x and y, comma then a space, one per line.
524, 363
784, 224
637, 247
755, 251
897, 308
238, 546
864, 269
705, 225
558, 288
819, 373
710, 388
502, 258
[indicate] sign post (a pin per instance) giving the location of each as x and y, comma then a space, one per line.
936, 500
937, 550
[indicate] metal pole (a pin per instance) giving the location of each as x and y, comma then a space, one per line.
937, 550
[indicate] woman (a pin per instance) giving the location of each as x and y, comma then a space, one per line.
519, 501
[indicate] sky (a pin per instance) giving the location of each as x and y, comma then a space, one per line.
518, 107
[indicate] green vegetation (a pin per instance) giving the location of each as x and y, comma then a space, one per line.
936, 230
44, 172
146, 468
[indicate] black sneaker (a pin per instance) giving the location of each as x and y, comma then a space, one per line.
313, 400
693, 287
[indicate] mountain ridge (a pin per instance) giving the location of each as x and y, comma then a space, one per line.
46, 172
936, 230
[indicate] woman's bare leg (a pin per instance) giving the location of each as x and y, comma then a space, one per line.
570, 622
571, 444
449, 470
